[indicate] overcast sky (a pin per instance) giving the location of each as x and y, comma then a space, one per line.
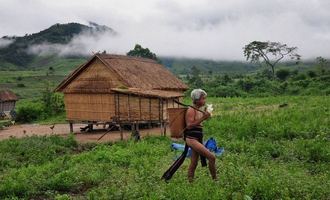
213, 29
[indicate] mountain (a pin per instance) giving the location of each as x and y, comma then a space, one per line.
28, 52
17, 52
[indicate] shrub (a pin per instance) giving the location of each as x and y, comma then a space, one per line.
311, 73
29, 112
20, 85
246, 84
300, 77
282, 74
223, 91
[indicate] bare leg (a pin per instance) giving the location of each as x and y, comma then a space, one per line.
202, 150
193, 165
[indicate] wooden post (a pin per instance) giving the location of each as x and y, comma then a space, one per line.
129, 107
159, 116
140, 107
149, 124
121, 132
71, 127
115, 101
90, 127
161, 128
160, 106
118, 107
150, 109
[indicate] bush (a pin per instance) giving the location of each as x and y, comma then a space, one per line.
20, 85
53, 102
282, 74
302, 83
29, 112
226, 92
300, 77
311, 74
246, 84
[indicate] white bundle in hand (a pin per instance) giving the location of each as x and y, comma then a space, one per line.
209, 108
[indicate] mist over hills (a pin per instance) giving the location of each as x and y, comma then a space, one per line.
59, 40
68, 45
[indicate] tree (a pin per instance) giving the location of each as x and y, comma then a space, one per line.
322, 64
270, 53
195, 80
139, 51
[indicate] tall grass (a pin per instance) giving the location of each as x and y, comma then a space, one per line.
271, 152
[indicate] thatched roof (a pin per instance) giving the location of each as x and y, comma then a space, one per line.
144, 74
150, 93
7, 95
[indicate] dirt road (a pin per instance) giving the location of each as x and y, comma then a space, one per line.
24, 130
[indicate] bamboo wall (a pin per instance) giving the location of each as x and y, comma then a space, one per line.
89, 107
116, 107
6, 106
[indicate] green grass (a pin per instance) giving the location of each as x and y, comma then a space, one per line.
29, 84
4, 123
270, 153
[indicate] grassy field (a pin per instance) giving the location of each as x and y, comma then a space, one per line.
29, 84
275, 148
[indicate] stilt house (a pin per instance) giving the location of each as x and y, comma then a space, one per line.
120, 89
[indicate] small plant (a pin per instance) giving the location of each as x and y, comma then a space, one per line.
20, 85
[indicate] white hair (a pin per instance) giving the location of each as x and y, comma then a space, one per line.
197, 93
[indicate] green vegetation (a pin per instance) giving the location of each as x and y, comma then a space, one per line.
275, 148
139, 51
269, 53
261, 84
49, 108
39, 77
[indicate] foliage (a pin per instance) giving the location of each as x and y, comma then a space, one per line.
53, 102
195, 80
271, 152
139, 51
29, 112
289, 82
269, 52
50, 105
282, 74
322, 64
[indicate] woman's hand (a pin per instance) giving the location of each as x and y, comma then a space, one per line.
206, 115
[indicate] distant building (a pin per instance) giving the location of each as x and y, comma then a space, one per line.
7, 103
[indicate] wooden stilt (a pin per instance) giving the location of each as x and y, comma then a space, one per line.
71, 127
161, 128
121, 132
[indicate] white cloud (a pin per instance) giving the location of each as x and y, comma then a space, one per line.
85, 43
191, 28
5, 42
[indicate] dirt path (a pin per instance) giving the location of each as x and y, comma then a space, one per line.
24, 130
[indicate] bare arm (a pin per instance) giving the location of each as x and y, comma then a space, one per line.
190, 118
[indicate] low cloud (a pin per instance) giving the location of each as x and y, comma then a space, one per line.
188, 28
4, 42
84, 44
